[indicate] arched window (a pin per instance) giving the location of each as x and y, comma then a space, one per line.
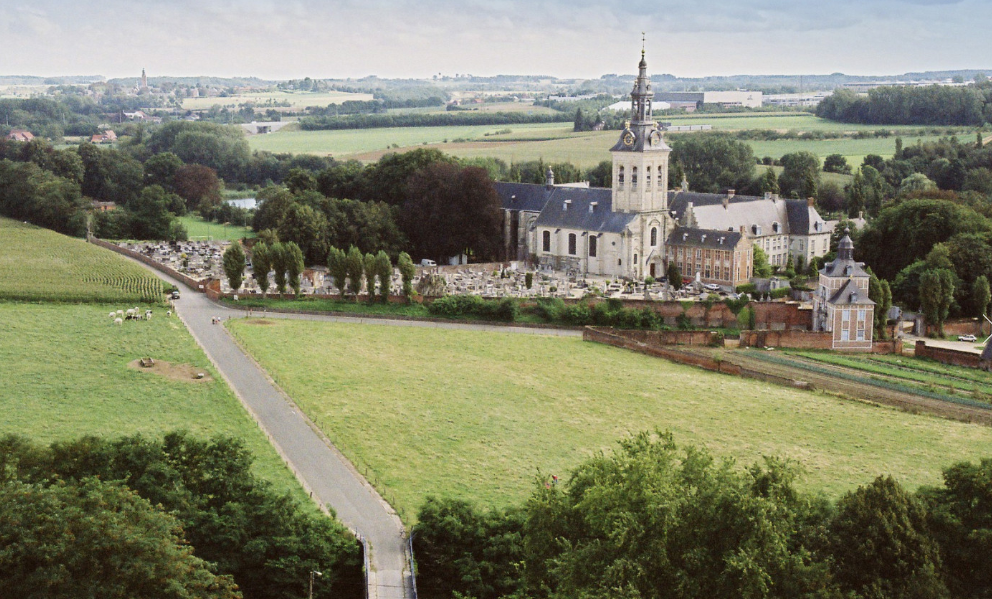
620, 177
654, 236
571, 244
592, 246
775, 227
633, 177
647, 177
546, 241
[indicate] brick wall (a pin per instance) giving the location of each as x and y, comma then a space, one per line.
661, 338
790, 339
192, 283
949, 356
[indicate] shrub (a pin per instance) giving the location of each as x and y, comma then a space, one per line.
577, 315
550, 308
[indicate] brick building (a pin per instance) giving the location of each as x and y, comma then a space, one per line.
841, 305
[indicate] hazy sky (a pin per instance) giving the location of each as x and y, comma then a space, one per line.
281, 39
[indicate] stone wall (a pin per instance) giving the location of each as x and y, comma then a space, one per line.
788, 339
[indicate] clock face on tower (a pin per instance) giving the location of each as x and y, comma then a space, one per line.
628, 139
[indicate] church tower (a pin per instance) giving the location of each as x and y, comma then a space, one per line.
144, 81
640, 157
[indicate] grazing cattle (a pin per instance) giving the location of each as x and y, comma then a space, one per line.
118, 321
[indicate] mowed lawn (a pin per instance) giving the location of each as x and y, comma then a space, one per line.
478, 415
196, 227
65, 374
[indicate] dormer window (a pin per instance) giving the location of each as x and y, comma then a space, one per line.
592, 206
564, 206
818, 226
756, 230
776, 227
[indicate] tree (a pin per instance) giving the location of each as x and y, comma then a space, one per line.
234, 265
384, 272
294, 266
881, 544
936, 296
307, 228
278, 260
759, 261
261, 263
915, 183
451, 211
712, 163
867, 192
880, 293
580, 122
981, 295
89, 538
801, 174
337, 268
161, 169
387, 180
199, 186
355, 265
368, 261
299, 180
768, 182
830, 197
407, 272
836, 163
149, 212
674, 276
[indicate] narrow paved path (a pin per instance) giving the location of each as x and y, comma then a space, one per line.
331, 478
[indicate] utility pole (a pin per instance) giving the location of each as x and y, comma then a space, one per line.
312, 572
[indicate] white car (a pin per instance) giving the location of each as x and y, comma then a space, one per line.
426, 262
971, 338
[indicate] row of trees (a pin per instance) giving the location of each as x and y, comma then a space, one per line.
440, 119
657, 520
903, 105
171, 517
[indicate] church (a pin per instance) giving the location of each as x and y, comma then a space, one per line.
639, 226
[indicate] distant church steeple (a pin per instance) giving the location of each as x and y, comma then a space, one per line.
144, 80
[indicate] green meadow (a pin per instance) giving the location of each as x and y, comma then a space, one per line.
477, 415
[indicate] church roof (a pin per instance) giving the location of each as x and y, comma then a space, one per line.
587, 209
523, 196
850, 294
704, 238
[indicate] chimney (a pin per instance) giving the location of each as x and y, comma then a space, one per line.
743, 231
549, 178
810, 202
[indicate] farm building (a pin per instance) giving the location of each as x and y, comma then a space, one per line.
20, 135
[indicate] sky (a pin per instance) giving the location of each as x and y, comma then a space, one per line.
284, 39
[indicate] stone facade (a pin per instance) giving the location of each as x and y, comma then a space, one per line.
841, 305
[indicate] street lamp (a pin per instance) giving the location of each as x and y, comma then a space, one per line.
312, 572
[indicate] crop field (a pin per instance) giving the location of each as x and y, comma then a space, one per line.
555, 142
199, 228
66, 374
521, 107
38, 264
346, 142
478, 415
297, 100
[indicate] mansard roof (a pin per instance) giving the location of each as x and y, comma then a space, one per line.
795, 217
850, 295
587, 209
704, 238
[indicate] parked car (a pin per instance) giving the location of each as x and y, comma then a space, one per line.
174, 295
712, 286
971, 338
428, 262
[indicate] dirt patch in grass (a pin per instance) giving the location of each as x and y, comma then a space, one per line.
258, 321
174, 372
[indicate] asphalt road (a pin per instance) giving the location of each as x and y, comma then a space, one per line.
325, 472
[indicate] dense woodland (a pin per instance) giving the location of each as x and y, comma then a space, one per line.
178, 510
657, 520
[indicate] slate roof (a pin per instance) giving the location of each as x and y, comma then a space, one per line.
849, 295
523, 196
577, 215
645, 140
795, 217
705, 238
838, 268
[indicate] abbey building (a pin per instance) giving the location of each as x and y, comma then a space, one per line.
639, 226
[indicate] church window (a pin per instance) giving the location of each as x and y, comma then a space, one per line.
592, 247
571, 244
635, 258
546, 241
647, 177
654, 236
633, 177
620, 178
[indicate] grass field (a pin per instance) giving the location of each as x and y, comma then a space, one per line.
38, 264
297, 100
197, 227
477, 415
65, 373
555, 142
